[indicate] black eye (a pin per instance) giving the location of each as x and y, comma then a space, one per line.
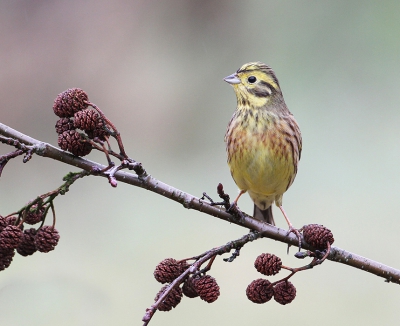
252, 79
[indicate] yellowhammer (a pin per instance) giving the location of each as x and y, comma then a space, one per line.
263, 140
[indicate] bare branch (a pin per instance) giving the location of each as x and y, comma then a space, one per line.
192, 202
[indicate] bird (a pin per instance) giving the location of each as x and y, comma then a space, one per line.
263, 140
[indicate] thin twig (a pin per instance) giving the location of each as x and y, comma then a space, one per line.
312, 264
115, 133
46, 199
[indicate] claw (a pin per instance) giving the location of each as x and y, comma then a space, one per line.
235, 211
296, 232
232, 207
291, 228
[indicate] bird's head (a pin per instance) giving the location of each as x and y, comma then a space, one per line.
254, 83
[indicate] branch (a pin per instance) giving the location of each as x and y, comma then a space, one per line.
192, 202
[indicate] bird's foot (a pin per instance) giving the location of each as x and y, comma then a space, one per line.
291, 228
235, 211
296, 232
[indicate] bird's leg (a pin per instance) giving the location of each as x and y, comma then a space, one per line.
236, 200
291, 228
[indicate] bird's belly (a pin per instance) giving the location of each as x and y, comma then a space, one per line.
265, 170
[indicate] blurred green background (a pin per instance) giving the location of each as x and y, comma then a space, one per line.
156, 70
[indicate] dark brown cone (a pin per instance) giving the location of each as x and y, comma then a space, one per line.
64, 124
89, 121
5, 221
10, 237
317, 236
46, 238
172, 299
168, 270
73, 142
259, 291
70, 101
268, 264
101, 133
6, 257
284, 292
34, 216
207, 288
11, 220
188, 288
27, 246
184, 265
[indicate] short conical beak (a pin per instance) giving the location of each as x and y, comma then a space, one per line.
232, 79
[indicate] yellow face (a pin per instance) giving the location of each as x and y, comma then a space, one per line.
254, 84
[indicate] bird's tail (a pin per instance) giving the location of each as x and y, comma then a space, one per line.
264, 215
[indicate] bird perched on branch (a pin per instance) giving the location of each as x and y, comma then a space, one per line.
263, 140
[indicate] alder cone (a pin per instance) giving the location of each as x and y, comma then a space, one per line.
188, 288
259, 291
6, 257
46, 238
318, 236
100, 132
90, 121
86, 119
27, 246
173, 298
72, 141
34, 216
168, 270
6, 221
284, 292
207, 288
64, 124
10, 237
268, 264
70, 101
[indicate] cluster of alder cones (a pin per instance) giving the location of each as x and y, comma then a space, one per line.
283, 292
72, 106
203, 286
258, 291
262, 290
13, 237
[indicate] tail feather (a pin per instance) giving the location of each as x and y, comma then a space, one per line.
264, 215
